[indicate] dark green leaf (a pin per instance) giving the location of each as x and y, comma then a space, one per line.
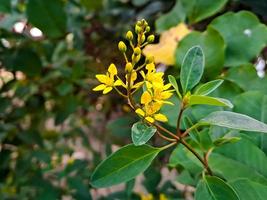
214, 188
192, 68
250, 36
248, 190
49, 16
123, 165
213, 61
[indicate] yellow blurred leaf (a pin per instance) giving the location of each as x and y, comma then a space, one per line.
163, 52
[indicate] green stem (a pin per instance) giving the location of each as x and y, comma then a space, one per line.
168, 145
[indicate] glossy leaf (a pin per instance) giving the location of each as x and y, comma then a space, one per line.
248, 190
172, 81
123, 165
214, 188
206, 100
250, 36
234, 121
208, 87
192, 68
141, 133
49, 16
213, 61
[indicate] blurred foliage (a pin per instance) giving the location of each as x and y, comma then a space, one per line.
54, 130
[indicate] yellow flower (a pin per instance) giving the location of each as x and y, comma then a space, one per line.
133, 79
152, 77
150, 109
162, 197
161, 93
163, 52
146, 197
107, 81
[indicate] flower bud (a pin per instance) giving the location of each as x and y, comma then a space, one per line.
139, 23
147, 29
136, 58
128, 67
138, 29
149, 59
143, 38
150, 38
122, 47
129, 35
137, 51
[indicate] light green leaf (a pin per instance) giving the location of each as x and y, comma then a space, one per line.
49, 16
192, 68
245, 40
172, 81
248, 190
225, 140
141, 133
208, 87
234, 121
214, 62
206, 100
214, 188
172, 18
123, 165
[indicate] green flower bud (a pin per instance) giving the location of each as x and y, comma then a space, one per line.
149, 59
128, 67
150, 38
147, 29
143, 38
139, 23
122, 47
137, 51
129, 35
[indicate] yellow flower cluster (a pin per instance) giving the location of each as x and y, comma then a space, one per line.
150, 197
138, 76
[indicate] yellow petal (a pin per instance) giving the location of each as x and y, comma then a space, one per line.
99, 87
150, 67
112, 69
161, 117
118, 82
139, 111
150, 119
163, 52
167, 86
166, 95
107, 90
146, 98
102, 78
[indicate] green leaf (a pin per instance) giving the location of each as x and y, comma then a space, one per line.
172, 81
245, 74
214, 62
5, 6
192, 68
244, 41
172, 18
234, 121
248, 190
202, 9
208, 87
206, 100
225, 140
49, 16
214, 188
242, 159
123, 165
141, 133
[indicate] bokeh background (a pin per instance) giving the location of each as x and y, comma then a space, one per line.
53, 129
